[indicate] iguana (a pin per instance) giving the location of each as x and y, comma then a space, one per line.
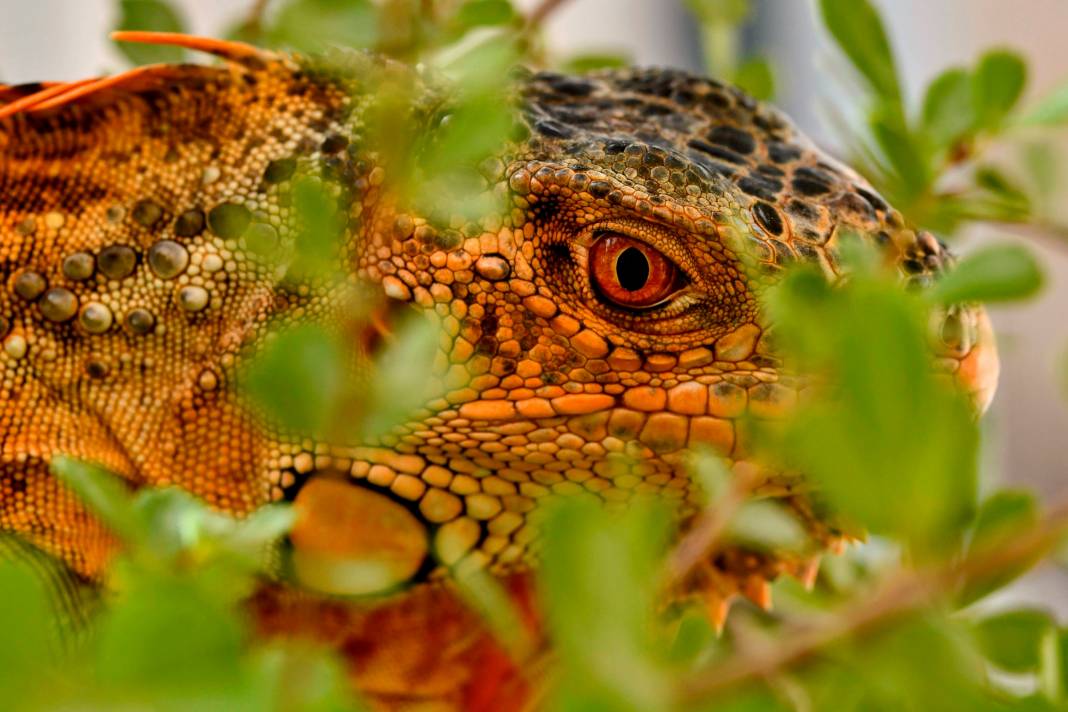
607, 311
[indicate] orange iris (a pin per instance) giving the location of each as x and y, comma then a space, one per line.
631, 273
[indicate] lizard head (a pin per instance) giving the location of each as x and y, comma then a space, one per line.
609, 319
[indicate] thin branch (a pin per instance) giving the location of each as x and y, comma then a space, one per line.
255, 15
709, 526
540, 14
900, 596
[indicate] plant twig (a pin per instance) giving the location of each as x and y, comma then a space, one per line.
900, 596
540, 13
709, 526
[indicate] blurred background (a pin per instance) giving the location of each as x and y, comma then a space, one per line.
66, 39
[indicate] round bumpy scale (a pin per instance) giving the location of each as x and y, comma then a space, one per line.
147, 212
117, 261
15, 346
95, 318
58, 305
78, 266
167, 259
140, 321
193, 299
30, 285
190, 223
229, 220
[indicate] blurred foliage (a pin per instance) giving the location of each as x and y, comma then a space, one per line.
890, 447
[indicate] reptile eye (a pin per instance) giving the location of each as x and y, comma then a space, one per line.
631, 273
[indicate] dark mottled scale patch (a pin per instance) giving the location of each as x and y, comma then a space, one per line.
852, 203
116, 261
768, 218
600, 188
912, 266
760, 187
783, 152
280, 170
811, 181
733, 138
783, 253
874, 200
570, 86
802, 210
717, 152
334, 143
770, 170
552, 129
807, 252
615, 147
147, 213
190, 223
229, 220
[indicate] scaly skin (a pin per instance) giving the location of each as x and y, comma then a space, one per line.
127, 355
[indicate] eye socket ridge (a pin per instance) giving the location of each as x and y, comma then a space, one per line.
631, 273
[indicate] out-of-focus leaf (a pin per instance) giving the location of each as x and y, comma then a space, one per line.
481, 13
1052, 110
27, 644
901, 151
604, 639
756, 77
103, 492
166, 635
1013, 640
302, 679
1042, 162
297, 378
766, 525
149, 15
313, 25
403, 375
730, 12
859, 32
1002, 517
591, 61
997, 84
993, 274
887, 444
947, 106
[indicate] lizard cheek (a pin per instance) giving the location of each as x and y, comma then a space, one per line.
630, 273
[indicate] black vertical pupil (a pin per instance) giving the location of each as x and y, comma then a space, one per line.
632, 269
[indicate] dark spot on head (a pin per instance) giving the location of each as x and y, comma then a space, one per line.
717, 152
147, 212
783, 152
229, 220
600, 188
190, 223
874, 200
760, 187
280, 170
810, 181
733, 138
570, 86
768, 218
334, 143
552, 129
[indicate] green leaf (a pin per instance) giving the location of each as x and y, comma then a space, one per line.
768, 526
314, 25
997, 84
710, 12
27, 641
598, 588
901, 151
1052, 110
1013, 640
149, 15
481, 13
592, 61
859, 32
1002, 517
403, 376
103, 492
756, 77
297, 378
993, 274
885, 443
947, 107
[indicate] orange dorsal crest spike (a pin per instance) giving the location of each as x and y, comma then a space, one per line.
239, 52
58, 94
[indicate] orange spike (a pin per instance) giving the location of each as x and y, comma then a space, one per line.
227, 49
31, 101
808, 572
758, 590
718, 606
89, 87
